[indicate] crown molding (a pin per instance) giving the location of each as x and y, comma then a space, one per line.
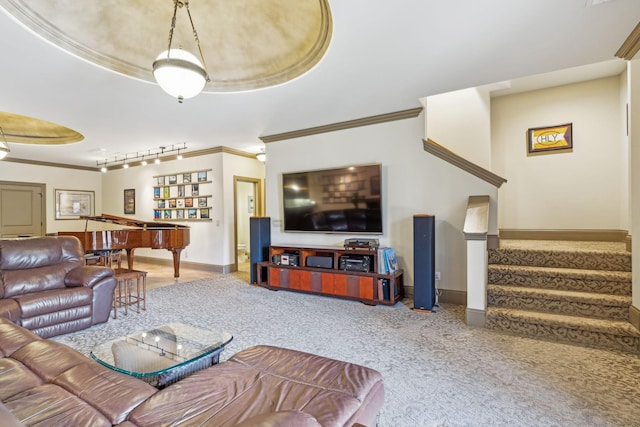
365, 121
197, 153
50, 164
631, 45
447, 155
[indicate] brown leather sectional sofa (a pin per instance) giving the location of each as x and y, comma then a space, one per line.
46, 287
46, 383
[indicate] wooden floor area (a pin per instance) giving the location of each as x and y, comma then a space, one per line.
159, 275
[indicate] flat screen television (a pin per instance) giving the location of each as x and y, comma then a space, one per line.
341, 200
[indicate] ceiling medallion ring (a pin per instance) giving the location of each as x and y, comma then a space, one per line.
303, 64
301, 46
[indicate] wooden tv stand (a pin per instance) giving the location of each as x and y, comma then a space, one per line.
368, 287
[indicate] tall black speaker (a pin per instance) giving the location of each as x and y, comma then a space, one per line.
259, 241
424, 262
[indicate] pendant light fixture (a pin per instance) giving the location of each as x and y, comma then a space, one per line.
4, 145
178, 72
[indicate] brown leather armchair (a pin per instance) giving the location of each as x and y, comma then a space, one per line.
46, 287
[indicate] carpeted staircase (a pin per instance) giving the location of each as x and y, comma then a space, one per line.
578, 292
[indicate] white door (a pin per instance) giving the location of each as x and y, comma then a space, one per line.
21, 209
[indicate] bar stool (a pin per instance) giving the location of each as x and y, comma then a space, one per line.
131, 289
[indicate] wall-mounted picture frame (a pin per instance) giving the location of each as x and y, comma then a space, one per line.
548, 139
74, 204
130, 201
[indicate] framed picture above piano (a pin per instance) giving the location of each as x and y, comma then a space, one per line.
130, 201
73, 204
176, 195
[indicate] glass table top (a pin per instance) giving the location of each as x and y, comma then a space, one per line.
162, 352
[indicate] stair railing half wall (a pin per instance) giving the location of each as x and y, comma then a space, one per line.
476, 228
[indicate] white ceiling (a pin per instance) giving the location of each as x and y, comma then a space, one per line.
383, 57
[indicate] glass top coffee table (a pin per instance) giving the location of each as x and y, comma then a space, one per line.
163, 355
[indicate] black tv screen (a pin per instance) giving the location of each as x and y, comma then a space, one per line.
342, 200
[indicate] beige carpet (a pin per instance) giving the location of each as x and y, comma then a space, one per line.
572, 291
437, 371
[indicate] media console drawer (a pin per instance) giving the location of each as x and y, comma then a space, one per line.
322, 274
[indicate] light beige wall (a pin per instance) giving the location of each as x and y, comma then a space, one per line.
211, 241
235, 166
624, 101
633, 70
585, 189
461, 121
413, 182
55, 178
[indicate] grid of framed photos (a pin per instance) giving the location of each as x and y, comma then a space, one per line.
183, 196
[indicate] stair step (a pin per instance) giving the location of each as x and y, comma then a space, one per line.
612, 282
578, 292
601, 333
560, 301
556, 258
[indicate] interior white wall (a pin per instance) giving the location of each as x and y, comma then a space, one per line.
141, 178
413, 182
235, 166
211, 241
624, 125
584, 189
55, 179
461, 121
633, 79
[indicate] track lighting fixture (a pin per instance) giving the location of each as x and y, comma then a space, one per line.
135, 159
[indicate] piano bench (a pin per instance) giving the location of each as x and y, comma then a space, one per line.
91, 259
103, 258
131, 290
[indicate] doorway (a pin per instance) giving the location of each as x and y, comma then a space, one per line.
248, 202
22, 211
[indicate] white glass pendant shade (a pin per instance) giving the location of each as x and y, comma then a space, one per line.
179, 73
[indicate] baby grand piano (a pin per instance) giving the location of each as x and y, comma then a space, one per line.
142, 234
